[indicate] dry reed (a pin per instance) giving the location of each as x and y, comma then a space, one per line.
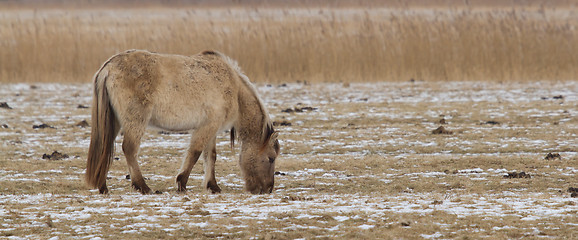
300, 44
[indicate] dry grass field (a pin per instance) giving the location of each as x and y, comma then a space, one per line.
358, 161
392, 41
358, 90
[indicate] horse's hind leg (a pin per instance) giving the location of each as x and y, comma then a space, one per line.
210, 158
130, 147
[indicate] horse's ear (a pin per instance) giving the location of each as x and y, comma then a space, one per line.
275, 142
273, 137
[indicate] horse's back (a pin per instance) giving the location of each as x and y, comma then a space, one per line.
172, 91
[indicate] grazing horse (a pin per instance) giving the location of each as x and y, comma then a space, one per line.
204, 94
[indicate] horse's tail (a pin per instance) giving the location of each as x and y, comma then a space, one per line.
105, 127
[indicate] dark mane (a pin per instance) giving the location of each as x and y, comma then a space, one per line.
209, 52
269, 130
233, 133
267, 126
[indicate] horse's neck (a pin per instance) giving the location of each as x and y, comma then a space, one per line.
252, 117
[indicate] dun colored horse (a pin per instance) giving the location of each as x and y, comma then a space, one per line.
204, 94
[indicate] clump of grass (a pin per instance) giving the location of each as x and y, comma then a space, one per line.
300, 44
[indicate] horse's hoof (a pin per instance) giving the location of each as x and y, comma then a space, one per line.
214, 191
145, 192
181, 183
213, 188
103, 190
181, 189
142, 189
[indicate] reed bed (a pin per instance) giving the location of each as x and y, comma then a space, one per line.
301, 44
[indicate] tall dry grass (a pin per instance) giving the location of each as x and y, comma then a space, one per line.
312, 44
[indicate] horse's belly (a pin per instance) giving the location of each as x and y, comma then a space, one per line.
176, 121
186, 119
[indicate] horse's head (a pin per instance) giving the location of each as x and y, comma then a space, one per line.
258, 164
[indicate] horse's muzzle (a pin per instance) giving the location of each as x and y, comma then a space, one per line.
263, 189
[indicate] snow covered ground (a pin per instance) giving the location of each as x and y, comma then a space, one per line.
362, 163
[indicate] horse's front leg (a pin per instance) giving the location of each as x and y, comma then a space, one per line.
190, 161
210, 183
199, 142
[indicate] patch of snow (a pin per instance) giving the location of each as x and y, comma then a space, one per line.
366, 226
201, 225
429, 236
341, 218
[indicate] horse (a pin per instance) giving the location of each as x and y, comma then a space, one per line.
203, 94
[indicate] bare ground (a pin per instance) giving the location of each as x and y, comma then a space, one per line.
359, 161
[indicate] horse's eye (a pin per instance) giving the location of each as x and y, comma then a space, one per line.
271, 159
